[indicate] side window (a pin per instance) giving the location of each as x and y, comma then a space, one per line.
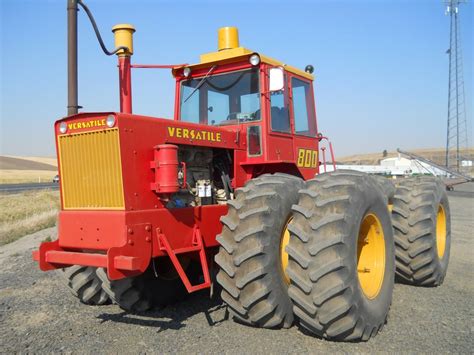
279, 112
303, 108
254, 139
190, 110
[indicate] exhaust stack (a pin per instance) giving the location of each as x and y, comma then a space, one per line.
123, 34
72, 106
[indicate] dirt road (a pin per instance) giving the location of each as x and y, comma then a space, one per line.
39, 314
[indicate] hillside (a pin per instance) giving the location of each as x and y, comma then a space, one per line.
27, 169
46, 160
16, 163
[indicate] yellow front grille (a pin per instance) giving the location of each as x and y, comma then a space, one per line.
90, 170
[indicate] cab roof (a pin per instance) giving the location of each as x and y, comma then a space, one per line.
238, 54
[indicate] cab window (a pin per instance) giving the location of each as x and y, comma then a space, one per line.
279, 113
303, 108
221, 99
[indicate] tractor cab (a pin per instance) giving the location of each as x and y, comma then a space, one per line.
271, 103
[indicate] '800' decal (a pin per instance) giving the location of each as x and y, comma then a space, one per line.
307, 158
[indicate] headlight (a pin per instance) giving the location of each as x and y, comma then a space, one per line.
63, 127
187, 72
254, 59
110, 121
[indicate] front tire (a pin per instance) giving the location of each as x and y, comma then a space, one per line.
145, 291
251, 257
341, 257
85, 285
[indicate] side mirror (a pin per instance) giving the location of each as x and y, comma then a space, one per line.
277, 79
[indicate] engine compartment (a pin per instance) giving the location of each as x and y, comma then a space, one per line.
208, 173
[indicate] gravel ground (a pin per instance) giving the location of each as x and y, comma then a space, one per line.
39, 314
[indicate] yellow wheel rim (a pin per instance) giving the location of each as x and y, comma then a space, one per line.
441, 231
285, 239
371, 256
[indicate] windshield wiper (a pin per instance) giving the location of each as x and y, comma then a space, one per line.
201, 82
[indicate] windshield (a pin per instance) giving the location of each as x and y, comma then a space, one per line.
221, 99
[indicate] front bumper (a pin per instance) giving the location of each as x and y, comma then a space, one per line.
100, 239
124, 242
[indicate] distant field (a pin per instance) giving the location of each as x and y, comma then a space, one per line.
27, 212
20, 163
436, 154
27, 169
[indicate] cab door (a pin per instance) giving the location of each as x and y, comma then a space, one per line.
303, 122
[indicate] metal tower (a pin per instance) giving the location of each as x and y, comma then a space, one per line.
457, 132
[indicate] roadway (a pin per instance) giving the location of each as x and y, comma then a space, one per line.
13, 188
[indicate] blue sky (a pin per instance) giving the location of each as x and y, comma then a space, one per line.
380, 65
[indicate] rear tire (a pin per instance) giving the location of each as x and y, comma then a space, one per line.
341, 257
85, 285
422, 226
250, 257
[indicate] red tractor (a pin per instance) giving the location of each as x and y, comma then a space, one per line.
150, 205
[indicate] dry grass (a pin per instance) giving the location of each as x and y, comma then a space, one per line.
27, 212
24, 176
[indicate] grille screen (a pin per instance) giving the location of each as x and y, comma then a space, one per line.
90, 170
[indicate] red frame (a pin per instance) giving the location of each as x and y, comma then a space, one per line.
125, 241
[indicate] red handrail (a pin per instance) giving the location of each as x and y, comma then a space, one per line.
331, 150
323, 150
157, 66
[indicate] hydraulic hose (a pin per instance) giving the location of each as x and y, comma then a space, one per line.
97, 33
